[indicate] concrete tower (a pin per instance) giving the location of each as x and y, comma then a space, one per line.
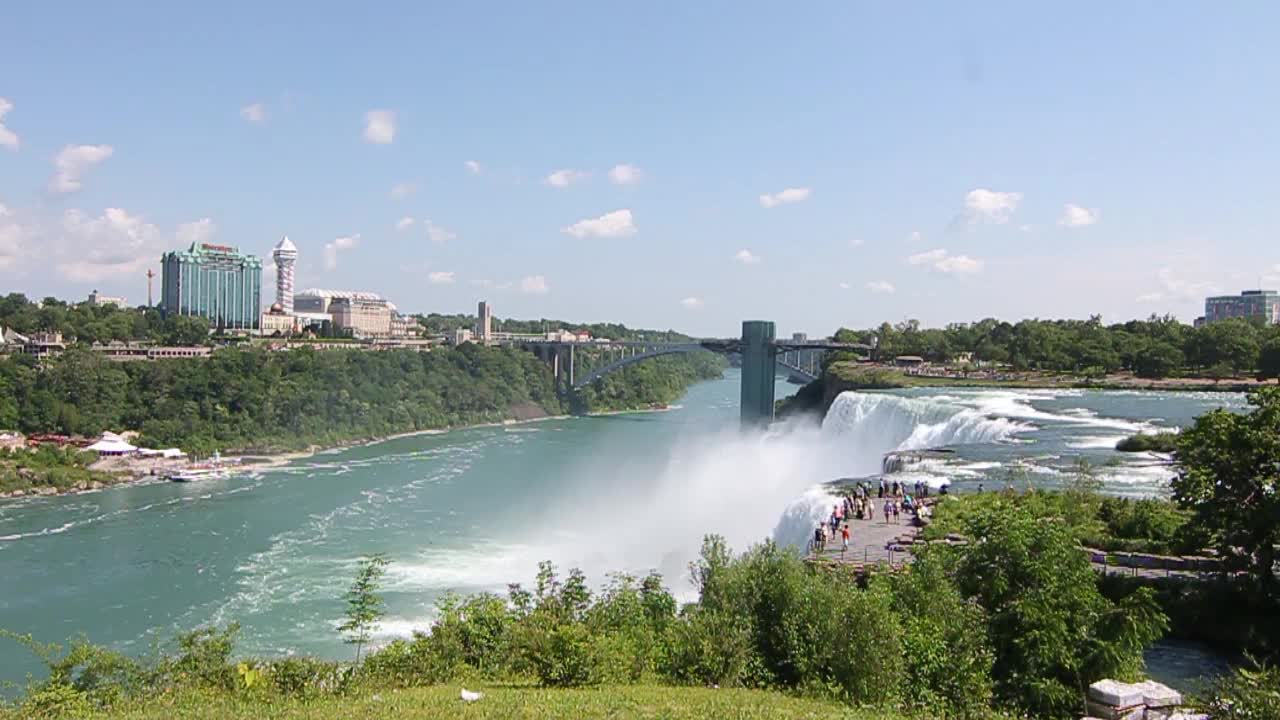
484, 321
285, 255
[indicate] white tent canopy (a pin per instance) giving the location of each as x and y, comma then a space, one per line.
167, 453
112, 444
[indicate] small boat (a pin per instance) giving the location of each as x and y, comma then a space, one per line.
196, 474
213, 470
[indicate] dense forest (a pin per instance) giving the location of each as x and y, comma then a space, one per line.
1154, 348
245, 399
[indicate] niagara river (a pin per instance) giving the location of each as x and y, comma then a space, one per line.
473, 510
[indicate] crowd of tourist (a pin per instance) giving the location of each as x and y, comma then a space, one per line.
857, 503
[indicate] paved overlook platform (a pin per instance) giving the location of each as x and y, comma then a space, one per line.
871, 543
875, 543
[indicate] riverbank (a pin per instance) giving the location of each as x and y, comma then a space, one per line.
816, 397
119, 472
857, 376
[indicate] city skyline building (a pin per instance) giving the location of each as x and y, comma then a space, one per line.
216, 282
1262, 305
97, 298
285, 256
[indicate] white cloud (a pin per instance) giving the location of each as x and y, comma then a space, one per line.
114, 243
196, 231
566, 177
331, 249
8, 138
927, 258
1026, 228
255, 113
403, 190
915, 236
881, 287
790, 195
473, 167
72, 162
1076, 216
404, 223
940, 260
692, 302
1174, 288
380, 127
13, 238
855, 242
746, 257
959, 264
625, 174
534, 285
845, 286
990, 205
437, 234
618, 223
440, 277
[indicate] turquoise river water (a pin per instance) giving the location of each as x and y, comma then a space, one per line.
476, 509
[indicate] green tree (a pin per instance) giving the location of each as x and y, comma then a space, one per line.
1269, 359
1052, 631
1229, 475
364, 606
1157, 360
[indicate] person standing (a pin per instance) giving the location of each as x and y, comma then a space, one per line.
844, 538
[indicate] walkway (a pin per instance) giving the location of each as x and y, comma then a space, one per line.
871, 542
877, 543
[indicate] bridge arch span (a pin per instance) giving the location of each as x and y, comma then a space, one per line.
621, 363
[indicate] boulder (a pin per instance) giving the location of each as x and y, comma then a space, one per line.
1115, 694
1110, 712
1157, 695
46, 490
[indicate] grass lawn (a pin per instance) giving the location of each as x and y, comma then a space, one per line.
504, 702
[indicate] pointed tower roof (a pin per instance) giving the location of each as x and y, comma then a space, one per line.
286, 244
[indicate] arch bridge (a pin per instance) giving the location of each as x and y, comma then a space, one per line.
762, 355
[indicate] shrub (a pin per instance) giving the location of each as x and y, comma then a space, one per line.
83, 675
949, 663
1164, 442
564, 656
707, 647
55, 700
1053, 632
302, 677
1246, 694
206, 657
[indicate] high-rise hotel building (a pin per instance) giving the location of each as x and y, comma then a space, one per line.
216, 282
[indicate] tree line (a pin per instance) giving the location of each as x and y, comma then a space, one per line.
89, 324
255, 399
1157, 347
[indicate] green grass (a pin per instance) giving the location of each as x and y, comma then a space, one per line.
504, 702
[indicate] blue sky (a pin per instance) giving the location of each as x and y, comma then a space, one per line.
832, 164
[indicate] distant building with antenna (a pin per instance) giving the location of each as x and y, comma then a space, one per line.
285, 256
